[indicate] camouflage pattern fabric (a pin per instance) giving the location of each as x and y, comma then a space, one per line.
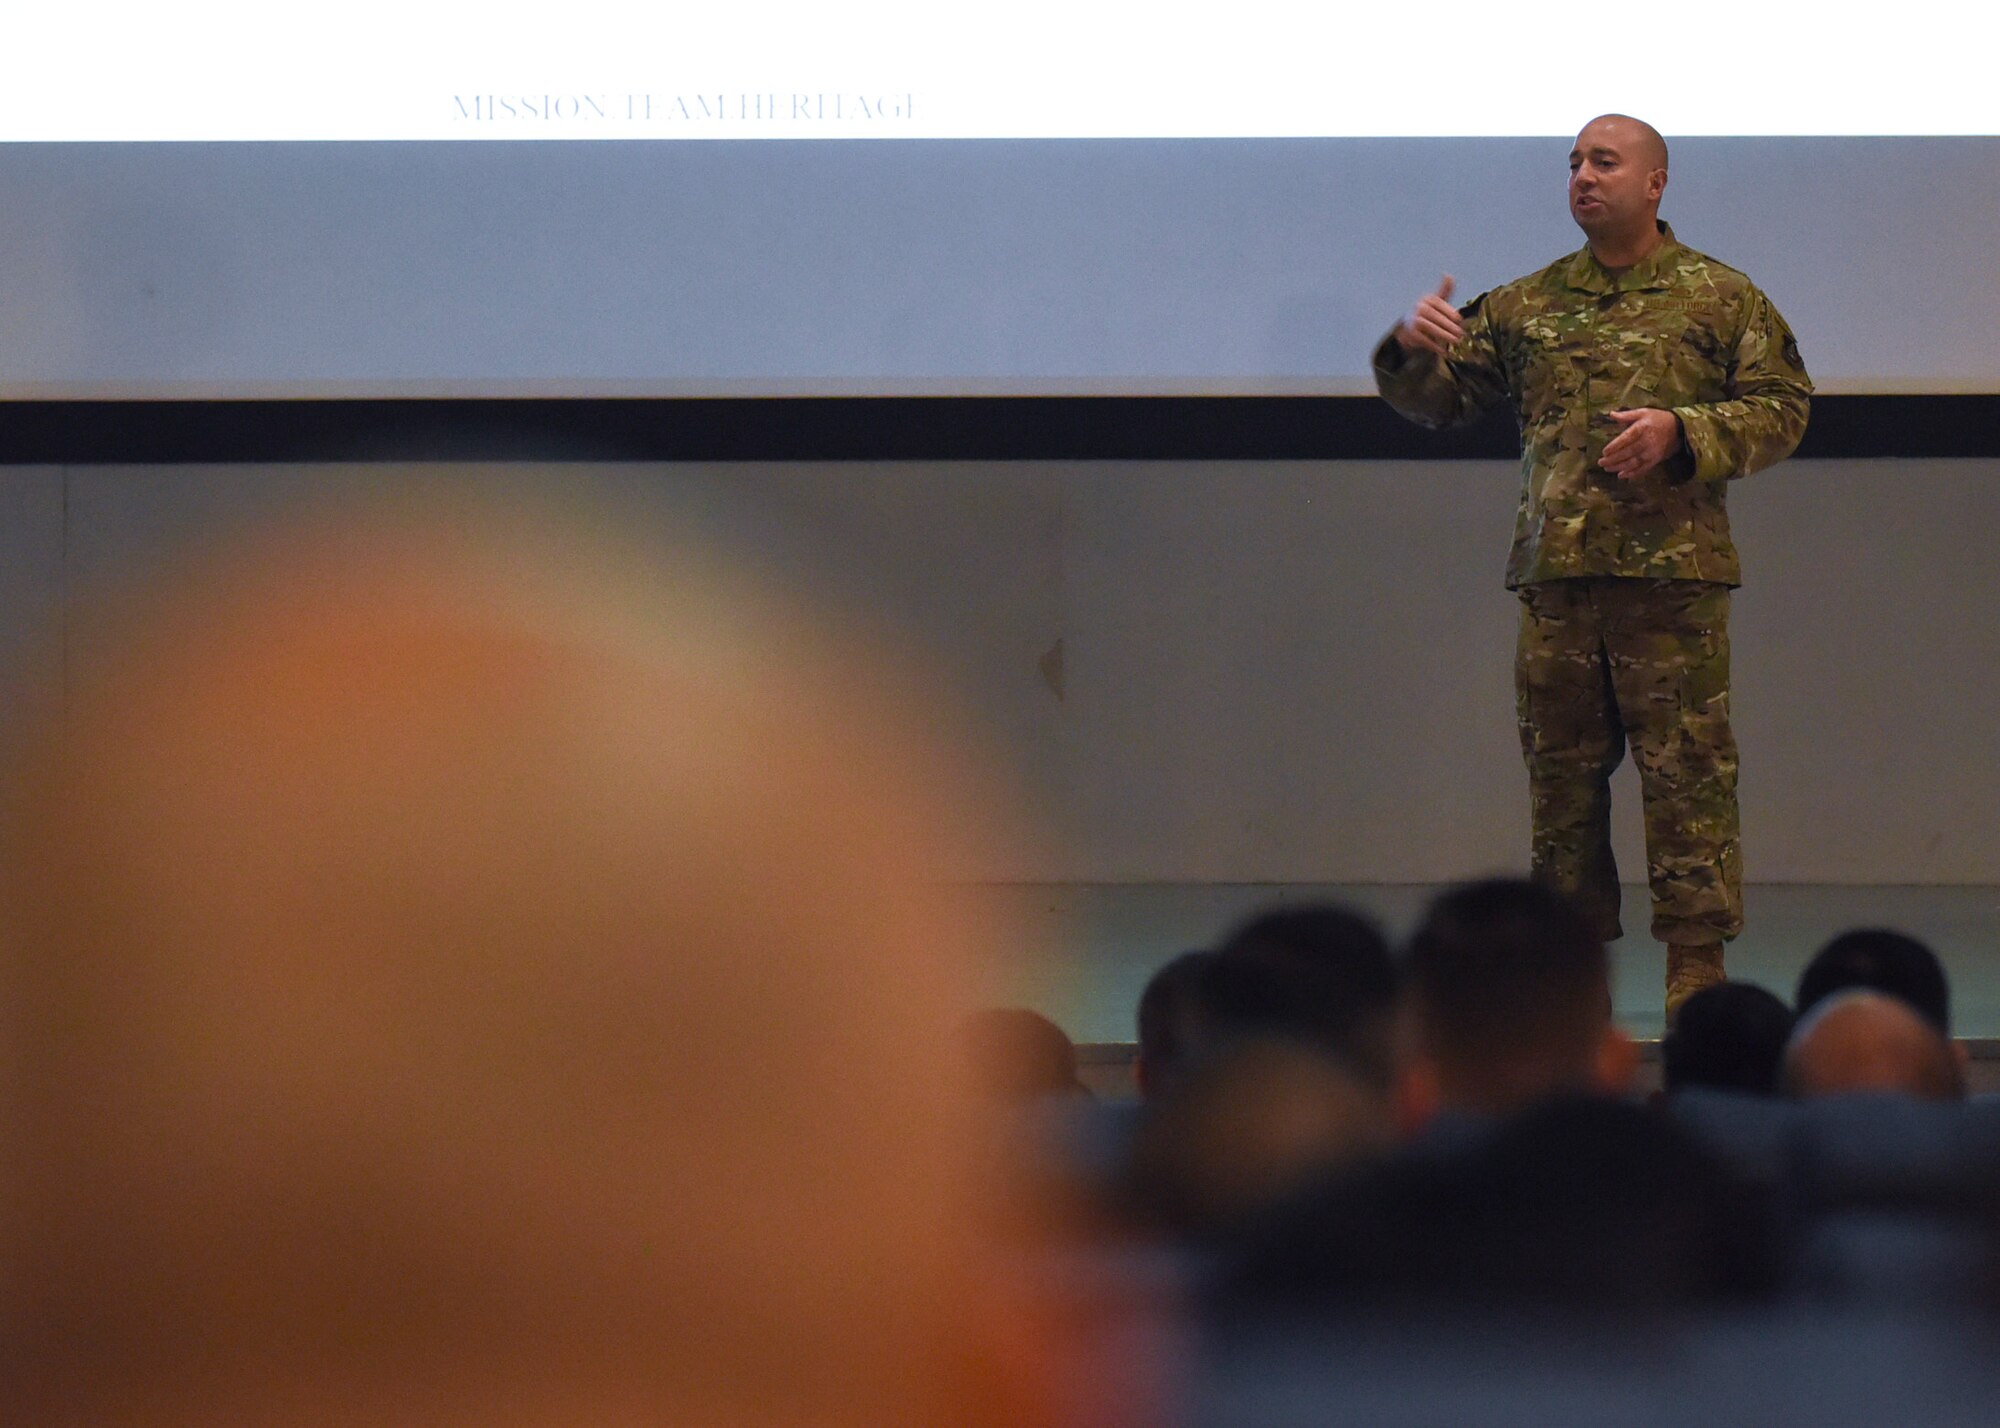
1678, 331
1604, 662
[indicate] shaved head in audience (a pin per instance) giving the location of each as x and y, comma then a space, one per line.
1868, 1042
449, 988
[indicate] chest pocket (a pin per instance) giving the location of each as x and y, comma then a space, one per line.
1635, 346
1551, 358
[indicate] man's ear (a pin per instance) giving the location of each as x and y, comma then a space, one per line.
1617, 1062
1656, 184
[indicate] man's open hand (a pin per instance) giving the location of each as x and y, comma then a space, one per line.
1649, 438
1435, 325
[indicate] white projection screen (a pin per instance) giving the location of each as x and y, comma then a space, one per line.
221, 200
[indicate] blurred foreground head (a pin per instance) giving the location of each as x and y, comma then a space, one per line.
1320, 976
1862, 1042
1245, 1128
1728, 1037
1878, 959
1509, 1003
1021, 1058
449, 980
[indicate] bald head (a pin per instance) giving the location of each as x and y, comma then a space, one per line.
446, 986
1635, 138
1866, 1042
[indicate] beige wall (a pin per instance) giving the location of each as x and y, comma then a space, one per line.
1270, 671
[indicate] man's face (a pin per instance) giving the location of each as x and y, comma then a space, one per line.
1612, 186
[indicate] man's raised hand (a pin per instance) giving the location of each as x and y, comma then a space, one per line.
1435, 325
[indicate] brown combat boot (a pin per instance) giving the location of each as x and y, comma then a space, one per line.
1691, 966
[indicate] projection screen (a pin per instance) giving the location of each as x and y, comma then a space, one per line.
216, 200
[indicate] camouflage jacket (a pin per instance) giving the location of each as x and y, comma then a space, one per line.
1566, 345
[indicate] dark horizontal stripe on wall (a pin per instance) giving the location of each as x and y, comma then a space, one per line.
867, 429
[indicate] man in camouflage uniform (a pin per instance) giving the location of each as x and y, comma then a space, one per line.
1645, 376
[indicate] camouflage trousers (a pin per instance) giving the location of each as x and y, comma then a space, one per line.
1606, 661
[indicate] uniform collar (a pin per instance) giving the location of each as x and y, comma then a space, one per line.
1588, 275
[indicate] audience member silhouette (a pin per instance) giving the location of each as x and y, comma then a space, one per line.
1880, 960
1322, 977
1262, 1064
1579, 1205
1729, 1037
1342, 975
1508, 1003
1254, 1121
